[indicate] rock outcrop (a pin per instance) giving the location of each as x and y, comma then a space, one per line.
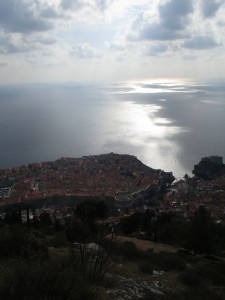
209, 167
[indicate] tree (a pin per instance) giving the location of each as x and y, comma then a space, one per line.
93, 256
200, 235
45, 219
90, 209
15, 241
148, 217
132, 223
13, 217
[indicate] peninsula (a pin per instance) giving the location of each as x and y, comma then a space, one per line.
122, 181
90, 176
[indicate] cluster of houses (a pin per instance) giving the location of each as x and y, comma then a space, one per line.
123, 178
95, 176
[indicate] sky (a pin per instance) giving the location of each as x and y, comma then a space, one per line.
110, 40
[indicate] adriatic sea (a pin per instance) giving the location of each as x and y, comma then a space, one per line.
168, 124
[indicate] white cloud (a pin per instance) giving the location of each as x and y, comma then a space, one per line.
85, 51
178, 25
201, 42
74, 4
174, 14
167, 22
12, 43
21, 16
189, 57
210, 7
3, 64
17, 43
46, 40
155, 49
121, 37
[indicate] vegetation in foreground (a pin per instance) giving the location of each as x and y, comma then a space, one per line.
77, 261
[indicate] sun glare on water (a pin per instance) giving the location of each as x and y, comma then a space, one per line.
161, 85
143, 128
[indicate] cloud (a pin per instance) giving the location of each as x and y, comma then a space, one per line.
174, 14
17, 43
210, 7
13, 44
50, 12
46, 40
103, 4
116, 46
201, 42
84, 11
69, 33
2, 64
169, 22
73, 4
174, 26
80, 4
21, 16
190, 57
85, 51
155, 50
159, 32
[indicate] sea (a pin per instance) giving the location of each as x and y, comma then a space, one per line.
169, 124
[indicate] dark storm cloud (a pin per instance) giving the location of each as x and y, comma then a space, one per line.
19, 16
173, 19
210, 7
201, 42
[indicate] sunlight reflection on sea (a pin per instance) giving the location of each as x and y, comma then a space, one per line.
167, 124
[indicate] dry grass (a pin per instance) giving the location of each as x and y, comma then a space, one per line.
144, 245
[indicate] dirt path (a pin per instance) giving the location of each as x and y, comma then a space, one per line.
145, 245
